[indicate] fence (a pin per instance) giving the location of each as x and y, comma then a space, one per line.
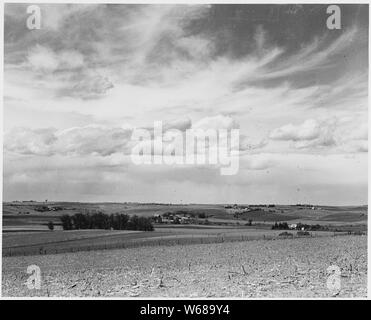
56, 248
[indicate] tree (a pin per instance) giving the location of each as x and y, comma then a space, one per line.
51, 225
145, 224
202, 215
100, 220
80, 221
66, 222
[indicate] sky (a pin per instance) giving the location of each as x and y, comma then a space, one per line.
75, 89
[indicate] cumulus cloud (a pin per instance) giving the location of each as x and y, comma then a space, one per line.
29, 141
91, 85
308, 130
248, 144
93, 140
310, 133
44, 59
76, 78
355, 139
325, 140
98, 140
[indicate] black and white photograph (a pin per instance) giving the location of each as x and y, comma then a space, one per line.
185, 151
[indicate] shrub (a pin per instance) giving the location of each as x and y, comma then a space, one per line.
303, 233
41, 208
51, 225
280, 226
286, 234
359, 233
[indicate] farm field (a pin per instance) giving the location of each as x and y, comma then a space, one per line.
47, 242
25, 231
279, 268
26, 216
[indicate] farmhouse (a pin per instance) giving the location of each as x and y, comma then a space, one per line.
185, 220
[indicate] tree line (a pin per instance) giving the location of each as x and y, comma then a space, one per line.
100, 220
299, 226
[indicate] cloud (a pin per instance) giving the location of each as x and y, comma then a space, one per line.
311, 133
90, 85
325, 140
308, 130
28, 141
355, 139
98, 139
55, 16
93, 140
74, 77
216, 122
114, 64
314, 55
44, 59
261, 161
249, 144
179, 124
88, 140
360, 132
355, 146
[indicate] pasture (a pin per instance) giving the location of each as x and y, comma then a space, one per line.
49, 242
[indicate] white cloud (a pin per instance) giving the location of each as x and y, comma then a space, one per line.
313, 56
98, 140
308, 130
91, 85
179, 124
311, 133
148, 65
249, 144
44, 59
54, 16
216, 122
28, 141
71, 59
